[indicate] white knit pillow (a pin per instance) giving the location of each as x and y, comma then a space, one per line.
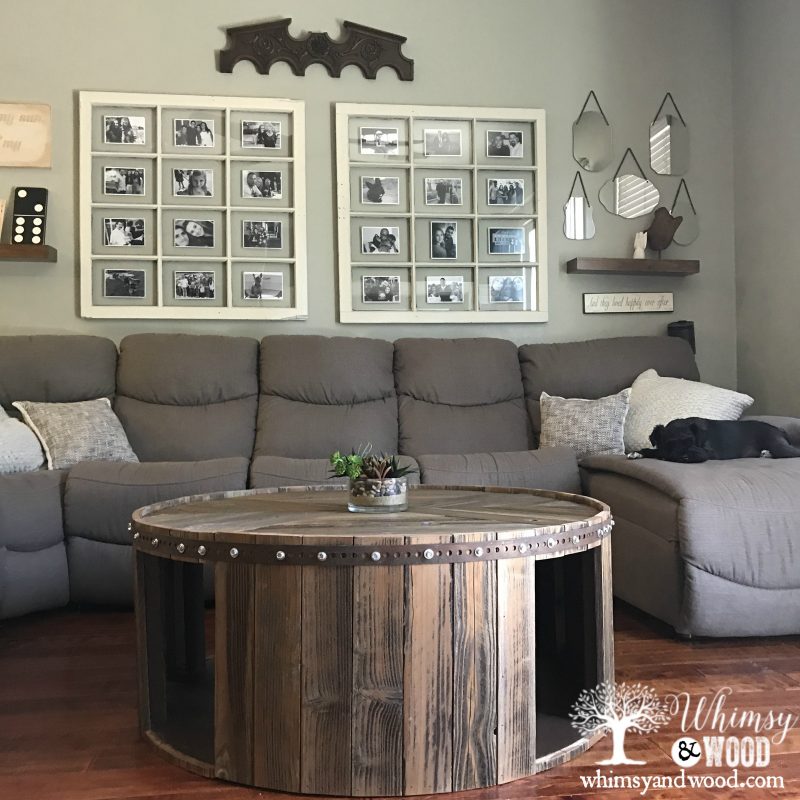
589, 427
657, 401
19, 448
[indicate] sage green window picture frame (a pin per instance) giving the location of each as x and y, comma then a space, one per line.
167, 185
442, 214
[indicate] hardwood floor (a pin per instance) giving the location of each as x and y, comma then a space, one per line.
68, 728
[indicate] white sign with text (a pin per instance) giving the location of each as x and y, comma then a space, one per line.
627, 302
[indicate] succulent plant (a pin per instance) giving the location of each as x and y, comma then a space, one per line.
361, 464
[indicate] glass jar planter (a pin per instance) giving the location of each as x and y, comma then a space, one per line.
376, 496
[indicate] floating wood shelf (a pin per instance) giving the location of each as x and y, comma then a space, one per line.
632, 266
28, 252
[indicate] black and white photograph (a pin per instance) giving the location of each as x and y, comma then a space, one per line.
123, 232
504, 144
122, 180
507, 241
194, 233
124, 130
123, 283
260, 234
443, 239
193, 182
263, 285
377, 141
194, 285
380, 241
380, 288
506, 289
443, 192
500, 192
385, 191
445, 289
194, 132
261, 133
266, 185
441, 142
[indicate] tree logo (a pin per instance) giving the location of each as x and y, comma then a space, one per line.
618, 707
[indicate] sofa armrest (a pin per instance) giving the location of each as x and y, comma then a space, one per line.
789, 424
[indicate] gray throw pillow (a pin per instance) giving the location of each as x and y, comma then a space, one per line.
74, 432
19, 448
589, 427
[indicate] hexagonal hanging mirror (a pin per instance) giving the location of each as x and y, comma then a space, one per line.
592, 137
629, 195
669, 139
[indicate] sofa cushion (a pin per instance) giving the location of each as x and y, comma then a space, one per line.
587, 426
656, 400
267, 472
322, 394
553, 468
56, 369
600, 367
100, 497
73, 432
182, 397
33, 581
30, 510
736, 519
459, 396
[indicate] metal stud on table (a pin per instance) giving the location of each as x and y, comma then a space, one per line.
322, 556
234, 552
478, 551
523, 547
136, 535
427, 554
201, 551
551, 542
280, 555
154, 542
376, 556
181, 548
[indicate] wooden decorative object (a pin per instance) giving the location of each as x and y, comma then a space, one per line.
266, 43
433, 650
662, 229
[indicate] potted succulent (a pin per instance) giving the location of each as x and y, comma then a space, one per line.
377, 482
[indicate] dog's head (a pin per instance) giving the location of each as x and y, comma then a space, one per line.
677, 441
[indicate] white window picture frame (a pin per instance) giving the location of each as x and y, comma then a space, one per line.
158, 154
470, 257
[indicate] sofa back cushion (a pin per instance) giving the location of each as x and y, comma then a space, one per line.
320, 394
55, 369
599, 367
459, 396
182, 397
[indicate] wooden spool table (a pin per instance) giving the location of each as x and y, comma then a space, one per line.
433, 650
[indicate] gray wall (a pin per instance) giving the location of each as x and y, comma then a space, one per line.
766, 121
528, 53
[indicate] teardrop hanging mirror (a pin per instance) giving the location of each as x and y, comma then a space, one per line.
689, 229
628, 195
592, 138
578, 215
669, 140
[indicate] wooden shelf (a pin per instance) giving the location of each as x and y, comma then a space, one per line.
632, 266
28, 252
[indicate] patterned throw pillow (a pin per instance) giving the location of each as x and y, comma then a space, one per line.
589, 427
73, 432
657, 401
20, 450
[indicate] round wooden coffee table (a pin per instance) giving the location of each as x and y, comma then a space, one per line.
433, 650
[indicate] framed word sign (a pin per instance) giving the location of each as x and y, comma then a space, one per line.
442, 214
627, 303
192, 207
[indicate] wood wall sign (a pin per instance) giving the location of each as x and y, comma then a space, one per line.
627, 302
266, 43
25, 135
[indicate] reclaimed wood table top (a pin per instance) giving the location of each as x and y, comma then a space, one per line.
259, 515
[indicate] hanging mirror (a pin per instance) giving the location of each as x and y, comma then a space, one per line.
578, 216
669, 140
592, 145
628, 195
689, 229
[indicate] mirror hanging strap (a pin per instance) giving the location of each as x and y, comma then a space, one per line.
578, 178
681, 186
597, 103
668, 96
636, 160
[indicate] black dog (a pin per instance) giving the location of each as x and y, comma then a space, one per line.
694, 440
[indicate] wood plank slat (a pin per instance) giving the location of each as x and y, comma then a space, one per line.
605, 611
474, 672
327, 676
233, 690
428, 675
277, 686
516, 668
378, 623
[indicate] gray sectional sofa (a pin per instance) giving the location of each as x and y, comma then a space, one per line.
711, 548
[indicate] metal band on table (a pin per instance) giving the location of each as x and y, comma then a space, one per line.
170, 546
